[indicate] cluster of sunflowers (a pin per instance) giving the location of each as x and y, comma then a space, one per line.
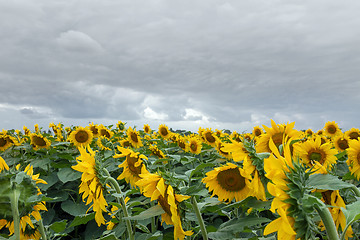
275, 181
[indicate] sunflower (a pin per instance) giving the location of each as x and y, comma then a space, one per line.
28, 211
147, 128
312, 152
125, 143
90, 185
219, 148
209, 137
134, 137
154, 187
4, 142
333, 198
183, 144
277, 133
101, 142
353, 160
81, 137
132, 166
36, 127
39, 141
331, 129
194, 145
156, 151
237, 150
282, 225
341, 142
309, 132
26, 131
121, 126
94, 128
235, 136
164, 131
353, 134
257, 131
228, 182
104, 131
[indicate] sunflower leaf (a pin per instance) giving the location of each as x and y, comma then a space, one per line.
352, 212
58, 226
148, 213
327, 182
82, 219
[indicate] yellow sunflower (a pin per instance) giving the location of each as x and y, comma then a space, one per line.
257, 131
228, 182
235, 136
81, 137
3, 164
331, 129
26, 131
282, 225
277, 133
194, 145
309, 132
220, 149
125, 143
209, 137
94, 128
134, 137
341, 142
39, 141
353, 160
5, 142
237, 150
156, 151
154, 187
164, 131
104, 131
132, 166
101, 142
353, 133
147, 128
90, 186
334, 199
183, 144
121, 126
312, 152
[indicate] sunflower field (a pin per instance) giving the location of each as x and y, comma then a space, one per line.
119, 182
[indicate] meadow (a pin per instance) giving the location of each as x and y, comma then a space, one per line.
122, 182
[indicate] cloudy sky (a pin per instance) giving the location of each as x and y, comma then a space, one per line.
218, 64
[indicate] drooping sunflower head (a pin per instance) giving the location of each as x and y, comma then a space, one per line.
209, 137
332, 129
133, 165
81, 136
227, 183
164, 131
133, 137
156, 151
182, 142
341, 142
125, 143
147, 128
4, 142
353, 133
39, 141
194, 145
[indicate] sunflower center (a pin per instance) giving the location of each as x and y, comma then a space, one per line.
164, 131
126, 144
131, 163
134, 137
354, 135
209, 137
193, 146
343, 144
105, 133
164, 204
277, 139
147, 129
316, 156
231, 180
39, 141
257, 132
94, 130
181, 144
81, 136
331, 129
2, 142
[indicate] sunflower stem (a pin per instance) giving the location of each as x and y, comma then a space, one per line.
153, 226
42, 230
327, 220
14, 199
116, 186
199, 217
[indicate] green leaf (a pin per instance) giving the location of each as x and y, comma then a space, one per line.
327, 182
68, 174
109, 237
82, 219
148, 213
58, 226
352, 212
74, 209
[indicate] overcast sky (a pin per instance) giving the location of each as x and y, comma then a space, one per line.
220, 64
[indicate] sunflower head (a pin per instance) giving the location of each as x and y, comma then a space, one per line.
353, 160
5, 142
39, 141
121, 126
331, 129
147, 128
194, 145
81, 137
341, 142
104, 131
133, 137
94, 128
164, 131
209, 137
182, 142
353, 133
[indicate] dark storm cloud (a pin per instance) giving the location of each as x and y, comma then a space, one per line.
234, 62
